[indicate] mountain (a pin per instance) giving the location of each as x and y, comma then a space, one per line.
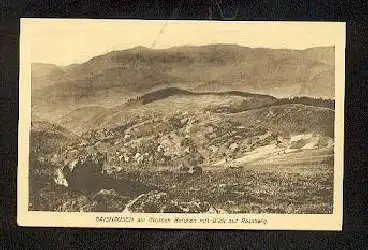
108, 80
44, 69
44, 75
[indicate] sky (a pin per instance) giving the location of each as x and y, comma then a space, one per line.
64, 42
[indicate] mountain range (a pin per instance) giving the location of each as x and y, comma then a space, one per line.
111, 79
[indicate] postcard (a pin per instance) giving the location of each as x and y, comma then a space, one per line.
181, 124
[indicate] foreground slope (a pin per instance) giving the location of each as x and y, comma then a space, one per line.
278, 161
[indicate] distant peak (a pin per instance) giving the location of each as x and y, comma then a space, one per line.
224, 44
139, 48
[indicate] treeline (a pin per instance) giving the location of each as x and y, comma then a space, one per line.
133, 100
171, 91
157, 95
310, 101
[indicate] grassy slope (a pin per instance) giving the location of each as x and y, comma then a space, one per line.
77, 119
163, 104
290, 119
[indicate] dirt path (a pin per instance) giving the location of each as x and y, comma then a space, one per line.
256, 155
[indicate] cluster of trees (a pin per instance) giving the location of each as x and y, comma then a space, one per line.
134, 100
318, 102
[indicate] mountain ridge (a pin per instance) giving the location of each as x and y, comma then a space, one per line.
106, 79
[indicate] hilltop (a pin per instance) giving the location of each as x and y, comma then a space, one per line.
165, 101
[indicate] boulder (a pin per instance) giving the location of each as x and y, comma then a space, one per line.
234, 146
60, 178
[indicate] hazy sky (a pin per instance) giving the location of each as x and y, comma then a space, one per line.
64, 42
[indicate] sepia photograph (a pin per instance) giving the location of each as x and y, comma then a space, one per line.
153, 122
